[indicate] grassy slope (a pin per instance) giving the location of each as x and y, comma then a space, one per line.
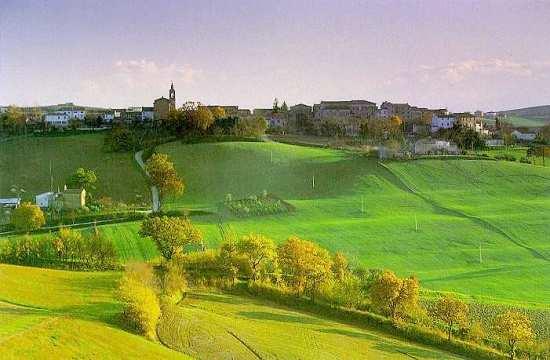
25, 162
213, 326
62, 314
444, 252
522, 121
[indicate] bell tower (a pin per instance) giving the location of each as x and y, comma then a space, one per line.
172, 97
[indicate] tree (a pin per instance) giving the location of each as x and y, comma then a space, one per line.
284, 107
173, 281
171, 234
305, 265
259, 251
83, 179
394, 296
27, 217
163, 175
451, 311
340, 266
395, 126
140, 302
202, 118
218, 113
251, 126
513, 327
12, 120
275, 106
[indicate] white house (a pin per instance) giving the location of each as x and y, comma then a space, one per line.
523, 136
10, 202
442, 122
44, 200
494, 142
57, 119
432, 146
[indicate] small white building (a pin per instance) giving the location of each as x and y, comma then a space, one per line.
10, 202
433, 146
57, 119
523, 136
494, 142
44, 200
442, 122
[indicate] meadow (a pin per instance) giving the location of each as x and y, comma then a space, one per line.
477, 228
520, 121
352, 204
61, 314
25, 162
215, 326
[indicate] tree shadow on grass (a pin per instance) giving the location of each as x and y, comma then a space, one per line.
409, 351
354, 334
263, 315
219, 298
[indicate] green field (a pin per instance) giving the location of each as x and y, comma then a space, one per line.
25, 162
215, 326
519, 121
366, 211
61, 314
370, 213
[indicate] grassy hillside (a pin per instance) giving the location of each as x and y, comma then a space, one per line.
216, 326
60, 314
523, 121
443, 251
25, 162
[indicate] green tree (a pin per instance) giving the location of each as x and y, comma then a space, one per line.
513, 327
452, 312
259, 251
163, 175
27, 217
171, 234
12, 120
251, 126
393, 296
82, 178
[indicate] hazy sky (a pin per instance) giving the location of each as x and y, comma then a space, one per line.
457, 54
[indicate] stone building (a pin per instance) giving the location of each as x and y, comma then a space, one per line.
162, 106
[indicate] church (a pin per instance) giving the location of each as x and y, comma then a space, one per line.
162, 106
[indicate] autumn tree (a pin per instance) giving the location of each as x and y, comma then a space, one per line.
305, 265
513, 327
163, 175
83, 179
451, 311
229, 256
12, 120
218, 112
171, 234
27, 217
141, 307
202, 118
340, 266
392, 295
259, 251
173, 282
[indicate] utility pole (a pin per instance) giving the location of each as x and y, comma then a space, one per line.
313, 182
362, 204
480, 258
51, 177
415, 223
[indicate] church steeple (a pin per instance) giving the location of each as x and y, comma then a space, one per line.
172, 97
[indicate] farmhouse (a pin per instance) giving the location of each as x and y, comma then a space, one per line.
73, 198
44, 200
527, 137
442, 121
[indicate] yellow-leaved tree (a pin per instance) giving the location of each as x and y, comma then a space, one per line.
451, 311
259, 252
27, 217
163, 175
394, 296
513, 327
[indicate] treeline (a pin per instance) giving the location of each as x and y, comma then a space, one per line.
302, 270
67, 249
190, 122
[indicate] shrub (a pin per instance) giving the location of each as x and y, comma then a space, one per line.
141, 305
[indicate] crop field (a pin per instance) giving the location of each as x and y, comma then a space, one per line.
25, 162
61, 314
352, 204
216, 326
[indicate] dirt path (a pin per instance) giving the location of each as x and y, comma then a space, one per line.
155, 196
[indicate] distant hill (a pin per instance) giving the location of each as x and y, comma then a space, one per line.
58, 107
530, 116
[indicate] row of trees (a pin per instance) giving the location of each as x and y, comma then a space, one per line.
305, 269
66, 249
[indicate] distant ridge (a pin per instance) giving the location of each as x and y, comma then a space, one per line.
541, 112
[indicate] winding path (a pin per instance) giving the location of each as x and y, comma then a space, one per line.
155, 197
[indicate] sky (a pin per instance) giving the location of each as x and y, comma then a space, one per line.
463, 55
